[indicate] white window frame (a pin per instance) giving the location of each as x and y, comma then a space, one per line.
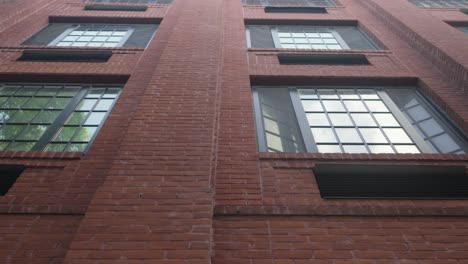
336, 35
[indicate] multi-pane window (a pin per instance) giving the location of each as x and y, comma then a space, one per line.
351, 120
289, 2
53, 117
308, 38
96, 35
129, 1
440, 3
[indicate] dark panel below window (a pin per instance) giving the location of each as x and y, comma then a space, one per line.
323, 59
66, 55
8, 176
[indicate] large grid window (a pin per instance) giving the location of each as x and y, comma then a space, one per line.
308, 38
94, 35
352, 120
440, 3
38, 117
289, 2
129, 1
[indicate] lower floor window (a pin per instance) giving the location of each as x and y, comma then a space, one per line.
53, 117
351, 120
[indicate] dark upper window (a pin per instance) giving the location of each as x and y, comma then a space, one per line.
93, 35
440, 3
289, 2
53, 117
352, 120
307, 37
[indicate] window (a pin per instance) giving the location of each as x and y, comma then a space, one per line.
289, 2
55, 117
129, 1
440, 3
93, 35
351, 120
463, 29
307, 37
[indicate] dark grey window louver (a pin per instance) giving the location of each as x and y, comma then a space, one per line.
144, 2
289, 2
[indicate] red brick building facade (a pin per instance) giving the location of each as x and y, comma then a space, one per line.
175, 173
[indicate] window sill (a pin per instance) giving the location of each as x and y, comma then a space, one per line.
311, 51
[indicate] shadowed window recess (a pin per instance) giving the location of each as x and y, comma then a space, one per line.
440, 3
8, 176
55, 117
93, 35
308, 37
304, 3
352, 120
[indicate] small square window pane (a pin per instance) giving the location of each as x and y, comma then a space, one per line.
68, 92
355, 106
95, 92
324, 135
315, 41
303, 46
95, 119
327, 94
64, 44
319, 46
4, 145
85, 134
288, 46
286, 40
8, 90
3, 99
334, 47
21, 146
418, 113
307, 94
354, 149
46, 117
94, 44
317, 119
79, 44
5, 115
333, 106
386, 120
84, 39
23, 116
312, 106
347, 94
65, 134
33, 132
77, 32
397, 135
119, 33
348, 135
328, 148
298, 35
330, 41
56, 147
91, 33
340, 120
368, 94
114, 39
110, 45
86, 104
445, 143
326, 35
313, 35
70, 38
376, 106
48, 91
105, 33
37, 103
376, 149
284, 35
76, 147
111, 93
363, 120
406, 149
270, 126
99, 39
274, 142
301, 41
15, 102
431, 127
27, 91
58, 103
373, 135
77, 118
9, 132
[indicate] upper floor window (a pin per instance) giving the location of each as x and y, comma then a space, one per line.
289, 2
440, 3
55, 117
352, 120
93, 35
129, 1
463, 29
307, 37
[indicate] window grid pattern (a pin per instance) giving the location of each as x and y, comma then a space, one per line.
353, 121
309, 38
431, 130
303, 3
440, 3
91, 36
142, 2
30, 114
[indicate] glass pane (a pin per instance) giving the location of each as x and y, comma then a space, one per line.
386, 120
327, 94
324, 135
329, 149
307, 94
69, 91
2, 100
373, 135
112, 93
334, 106
8, 90
363, 120
23, 116
33, 132
104, 105
95, 93
269, 125
65, 134
348, 135
76, 118
406, 149
48, 91
6, 114
431, 127
58, 103
37, 103
56, 147
368, 94
15, 102
27, 90
341, 120
312, 106
348, 94
445, 143
46, 117
21, 146
355, 106
317, 120
4, 145
354, 149
85, 134
397, 135
86, 104
10, 132
76, 147
418, 113
376, 106
376, 149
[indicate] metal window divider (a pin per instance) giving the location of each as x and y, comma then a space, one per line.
301, 117
60, 120
261, 138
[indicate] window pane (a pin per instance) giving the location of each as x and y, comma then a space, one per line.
355, 106
329, 149
324, 135
334, 106
77, 118
363, 120
340, 120
386, 120
348, 135
85, 134
354, 149
376, 106
317, 120
397, 135
402, 149
46, 117
104, 105
65, 134
445, 143
373, 135
376, 149
312, 106
32, 132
